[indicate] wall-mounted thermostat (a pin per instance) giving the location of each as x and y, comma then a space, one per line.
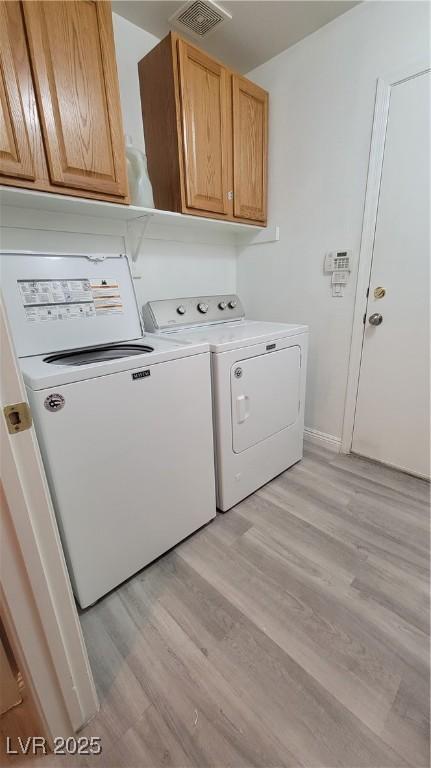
338, 260
339, 264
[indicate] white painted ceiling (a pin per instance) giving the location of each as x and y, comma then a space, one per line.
258, 30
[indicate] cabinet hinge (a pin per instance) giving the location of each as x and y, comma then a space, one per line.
364, 318
18, 417
230, 195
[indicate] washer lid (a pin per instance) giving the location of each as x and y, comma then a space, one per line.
39, 373
103, 354
56, 303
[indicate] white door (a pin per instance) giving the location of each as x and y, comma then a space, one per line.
265, 393
36, 601
392, 410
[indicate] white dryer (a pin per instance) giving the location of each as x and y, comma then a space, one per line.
124, 420
258, 380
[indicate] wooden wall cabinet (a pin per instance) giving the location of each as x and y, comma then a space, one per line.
205, 134
60, 121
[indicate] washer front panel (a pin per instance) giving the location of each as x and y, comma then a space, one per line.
130, 466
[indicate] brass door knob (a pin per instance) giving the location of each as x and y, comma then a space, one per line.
379, 292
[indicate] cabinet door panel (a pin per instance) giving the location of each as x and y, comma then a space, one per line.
250, 130
204, 90
15, 151
73, 58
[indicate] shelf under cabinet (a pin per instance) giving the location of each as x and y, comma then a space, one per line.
237, 233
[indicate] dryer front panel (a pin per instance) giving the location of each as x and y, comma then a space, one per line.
265, 396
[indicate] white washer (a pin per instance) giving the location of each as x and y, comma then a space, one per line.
124, 420
258, 378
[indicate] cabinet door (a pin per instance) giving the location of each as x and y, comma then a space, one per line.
205, 104
15, 151
73, 58
250, 149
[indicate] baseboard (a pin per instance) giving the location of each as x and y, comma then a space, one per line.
322, 439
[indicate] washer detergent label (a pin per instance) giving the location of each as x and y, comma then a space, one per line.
54, 402
45, 300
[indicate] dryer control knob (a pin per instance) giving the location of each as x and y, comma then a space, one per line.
233, 303
202, 307
222, 305
181, 310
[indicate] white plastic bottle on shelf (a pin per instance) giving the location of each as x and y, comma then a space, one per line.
141, 192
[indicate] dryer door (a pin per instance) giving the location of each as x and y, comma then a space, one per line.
265, 394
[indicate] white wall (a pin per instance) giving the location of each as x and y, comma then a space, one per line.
322, 94
131, 45
170, 269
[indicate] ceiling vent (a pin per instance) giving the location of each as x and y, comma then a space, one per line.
199, 18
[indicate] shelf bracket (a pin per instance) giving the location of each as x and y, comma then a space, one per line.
270, 234
135, 238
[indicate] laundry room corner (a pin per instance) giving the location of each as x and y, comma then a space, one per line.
215, 383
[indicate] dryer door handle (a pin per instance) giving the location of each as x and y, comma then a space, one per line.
242, 408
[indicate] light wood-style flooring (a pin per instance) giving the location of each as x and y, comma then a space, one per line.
291, 631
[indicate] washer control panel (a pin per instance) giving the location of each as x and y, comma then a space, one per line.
196, 310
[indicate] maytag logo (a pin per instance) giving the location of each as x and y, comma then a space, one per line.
141, 374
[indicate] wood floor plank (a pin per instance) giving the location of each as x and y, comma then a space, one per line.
291, 631
404, 485
407, 724
403, 593
285, 610
316, 728
185, 689
122, 698
296, 538
344, 523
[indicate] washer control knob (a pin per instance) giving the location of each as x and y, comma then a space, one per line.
222, 305
233, 303
202, 307
181, 309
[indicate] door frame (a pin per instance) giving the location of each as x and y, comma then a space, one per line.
369, 222
36, 599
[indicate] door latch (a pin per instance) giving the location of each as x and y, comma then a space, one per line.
18, 417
